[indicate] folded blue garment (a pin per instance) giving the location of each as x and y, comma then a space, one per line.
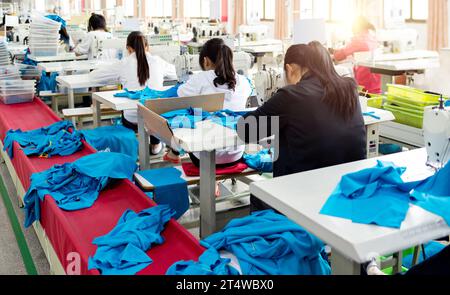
148, 93
262, 161
116, 139
76, 186
170, 189
53, 140
372, 196
210, 263
123, 250
188, 118
433, 194
265, 243
48, 82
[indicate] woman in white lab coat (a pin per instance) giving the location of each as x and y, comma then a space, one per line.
135, 72
218, 76
96, 31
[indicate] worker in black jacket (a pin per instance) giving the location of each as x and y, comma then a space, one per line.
320, 123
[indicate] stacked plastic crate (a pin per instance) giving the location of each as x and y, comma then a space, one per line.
44, 36
5, 58
12, 88
408, 104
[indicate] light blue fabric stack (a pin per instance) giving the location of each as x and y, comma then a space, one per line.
261, 161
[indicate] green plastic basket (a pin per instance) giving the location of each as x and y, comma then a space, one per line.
414, 96
406, 116
407, 104
376, 101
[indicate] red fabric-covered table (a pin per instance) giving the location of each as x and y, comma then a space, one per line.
73, 232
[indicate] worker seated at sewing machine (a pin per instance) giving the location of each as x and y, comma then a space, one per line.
96, 31
320, 118
363, 41
137, 71
218, 76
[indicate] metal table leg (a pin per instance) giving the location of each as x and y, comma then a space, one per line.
144, 142
207, 193
342, 265
97, 113
71, 98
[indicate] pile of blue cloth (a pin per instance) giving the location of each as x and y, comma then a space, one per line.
48, 82
56, 139
379, 196
123, 250
265, 243
170, 189
148, 93
261, 161
188, 118
76, 186
115, 139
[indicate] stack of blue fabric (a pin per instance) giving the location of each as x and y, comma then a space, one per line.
123, 250
265, 243
261, 161
76, 186
115, 139
379, 196
56, 139
48, 82
188, 118
147, 94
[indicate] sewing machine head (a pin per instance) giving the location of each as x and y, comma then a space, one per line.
436, 124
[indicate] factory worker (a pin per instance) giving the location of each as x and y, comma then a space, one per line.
96, 31
363, 41
320, 118
218, 76
135, 72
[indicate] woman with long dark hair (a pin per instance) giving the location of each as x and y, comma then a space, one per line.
320, 118
96, 31
135, 72
218, 76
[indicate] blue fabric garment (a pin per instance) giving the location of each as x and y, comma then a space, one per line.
49, 141
447, 103
187, 118
27, 60
262, 161
76, 186
148, 93
433, 194
58, 19
170, 189
123, 250
116, 139
48, 82
265, 243
372, 196
210, 263
431, 249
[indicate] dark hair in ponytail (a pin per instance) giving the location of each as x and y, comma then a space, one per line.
341, 93
138, 42
96, 22
222, 57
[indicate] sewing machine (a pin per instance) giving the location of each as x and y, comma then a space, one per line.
254, 32
100, 46
267, 82
436, 125
189, 63
398, 40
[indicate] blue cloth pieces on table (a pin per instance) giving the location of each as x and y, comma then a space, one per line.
227, 118
170, 188
148, 93
433, 194
56, 139
372, 196
210, 263
76, 186
372, 114
185, 118
48, 82
27, 60
188, 118
261, 161
123, 250
116, 139
267, 243
431, 249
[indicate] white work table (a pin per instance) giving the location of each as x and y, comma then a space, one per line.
403, 65
301, 197
71, 66
60, 57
